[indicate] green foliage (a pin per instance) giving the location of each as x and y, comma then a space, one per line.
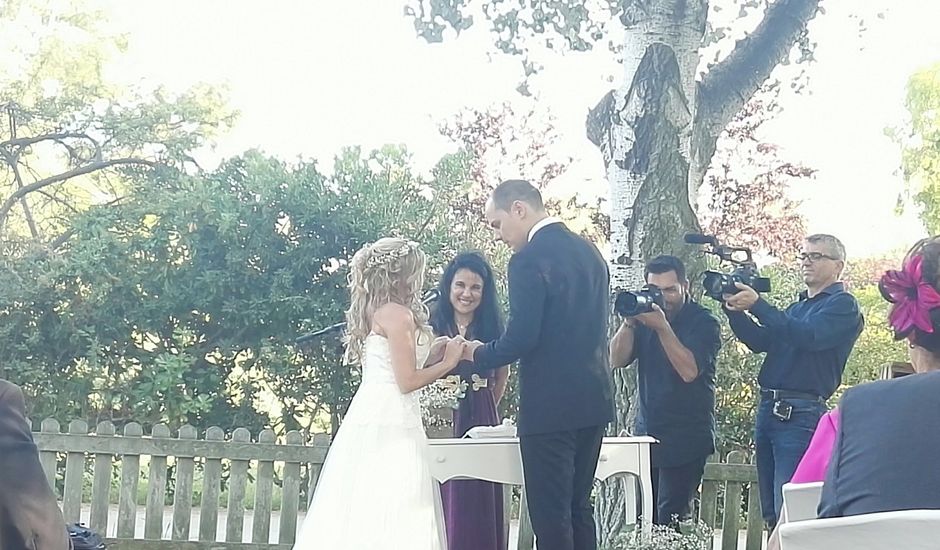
181, 303
146, 289
920, 143
69, 138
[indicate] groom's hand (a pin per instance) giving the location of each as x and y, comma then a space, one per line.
470, 348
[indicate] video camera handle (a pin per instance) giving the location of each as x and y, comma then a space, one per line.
725, 253
698, 238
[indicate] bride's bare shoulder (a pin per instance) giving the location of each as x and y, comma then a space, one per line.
392, 317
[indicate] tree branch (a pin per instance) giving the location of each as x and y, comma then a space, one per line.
19, 143
730, 84
80, 171
57, 200
33, 230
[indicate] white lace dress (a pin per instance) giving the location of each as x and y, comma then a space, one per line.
375, 490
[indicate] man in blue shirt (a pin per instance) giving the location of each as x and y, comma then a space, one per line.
675, 347
807, 346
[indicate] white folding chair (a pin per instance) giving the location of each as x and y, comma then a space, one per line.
800, 500
906, 529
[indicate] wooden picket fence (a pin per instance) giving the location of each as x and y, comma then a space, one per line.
113, 463
106, 452
724, 487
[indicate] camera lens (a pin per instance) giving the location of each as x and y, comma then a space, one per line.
714, 283
628, 304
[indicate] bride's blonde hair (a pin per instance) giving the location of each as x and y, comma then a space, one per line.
388, 270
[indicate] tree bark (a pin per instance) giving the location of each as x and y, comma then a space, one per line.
657, 134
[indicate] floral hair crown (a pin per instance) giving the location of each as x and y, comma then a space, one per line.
387, 256
913, 298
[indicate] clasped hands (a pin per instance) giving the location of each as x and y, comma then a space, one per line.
454, 348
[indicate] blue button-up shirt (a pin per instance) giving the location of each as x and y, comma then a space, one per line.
807, 344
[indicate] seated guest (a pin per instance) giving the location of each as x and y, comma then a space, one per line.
30, 518
812, 466
882, 459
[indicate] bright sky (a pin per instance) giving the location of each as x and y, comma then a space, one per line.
311, 76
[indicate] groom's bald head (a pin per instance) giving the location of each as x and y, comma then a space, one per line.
514, 207
510, 191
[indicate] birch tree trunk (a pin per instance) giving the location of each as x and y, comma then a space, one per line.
657, 134
644, 131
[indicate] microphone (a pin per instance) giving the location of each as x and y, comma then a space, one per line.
429, 297
698, 238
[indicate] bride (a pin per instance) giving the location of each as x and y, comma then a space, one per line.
375, 490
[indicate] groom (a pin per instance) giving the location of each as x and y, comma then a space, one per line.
558, 303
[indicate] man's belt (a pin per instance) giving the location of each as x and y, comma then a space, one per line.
777, 395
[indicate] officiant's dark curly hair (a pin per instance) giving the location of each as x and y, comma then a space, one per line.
487, 324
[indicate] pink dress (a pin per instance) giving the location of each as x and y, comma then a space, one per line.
815, 461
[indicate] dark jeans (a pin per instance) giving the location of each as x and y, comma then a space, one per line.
673, 489
780, 446
559, 474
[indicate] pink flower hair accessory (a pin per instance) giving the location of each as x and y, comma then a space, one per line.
913, 298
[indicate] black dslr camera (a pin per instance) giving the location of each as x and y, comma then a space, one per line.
631, 303
745, 272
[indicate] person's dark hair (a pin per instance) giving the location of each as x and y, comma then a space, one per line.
487, 324
665, 264
510, 191
929, 252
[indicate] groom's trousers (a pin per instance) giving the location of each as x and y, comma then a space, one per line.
559, 474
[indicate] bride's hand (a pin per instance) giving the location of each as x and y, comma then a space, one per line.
454, 350
436, 355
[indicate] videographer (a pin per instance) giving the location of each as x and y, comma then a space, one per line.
807, 346
675, 346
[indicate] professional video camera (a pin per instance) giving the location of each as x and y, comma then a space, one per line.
631, 303
717, 283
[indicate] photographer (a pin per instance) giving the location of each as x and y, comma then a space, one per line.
807, 346
675, 347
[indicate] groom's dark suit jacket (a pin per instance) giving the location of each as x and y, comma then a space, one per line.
557, 329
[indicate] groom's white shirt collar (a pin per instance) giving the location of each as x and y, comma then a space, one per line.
545, 221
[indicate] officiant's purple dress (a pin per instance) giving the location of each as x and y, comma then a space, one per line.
473, 509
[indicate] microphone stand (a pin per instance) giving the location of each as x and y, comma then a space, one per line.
428, 298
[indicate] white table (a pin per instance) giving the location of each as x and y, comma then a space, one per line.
499, 460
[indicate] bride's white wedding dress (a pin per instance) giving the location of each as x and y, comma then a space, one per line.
375, 490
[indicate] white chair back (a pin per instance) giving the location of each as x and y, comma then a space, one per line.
800, 500
906, 529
